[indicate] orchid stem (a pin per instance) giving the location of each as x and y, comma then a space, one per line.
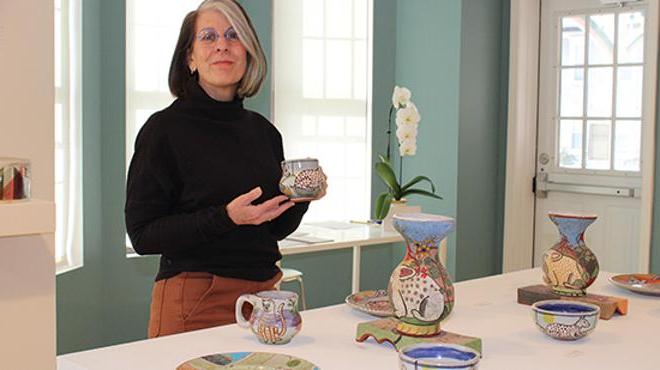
389, 131
401, 170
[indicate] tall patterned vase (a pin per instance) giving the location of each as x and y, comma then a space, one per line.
420, 288
569, 267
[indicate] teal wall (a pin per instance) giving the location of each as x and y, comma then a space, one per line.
383, 70
418, 44
428, 63
502, 132
452, 55
478, 240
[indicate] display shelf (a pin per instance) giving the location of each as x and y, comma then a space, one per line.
26, 217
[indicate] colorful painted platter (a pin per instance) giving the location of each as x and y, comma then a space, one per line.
639, 283
373, 302
247, 361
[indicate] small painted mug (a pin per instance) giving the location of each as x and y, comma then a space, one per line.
274, 319
302, 179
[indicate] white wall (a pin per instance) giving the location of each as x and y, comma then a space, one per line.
27, 268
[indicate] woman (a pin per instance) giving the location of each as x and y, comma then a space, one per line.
202, 187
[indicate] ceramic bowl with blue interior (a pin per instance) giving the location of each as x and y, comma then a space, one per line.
438, 356
564, 319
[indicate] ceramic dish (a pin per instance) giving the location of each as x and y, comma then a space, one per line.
248, 361
438, 356
639, 283
373, 302
564, 319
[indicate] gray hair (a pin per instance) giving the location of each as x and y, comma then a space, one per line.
256, 62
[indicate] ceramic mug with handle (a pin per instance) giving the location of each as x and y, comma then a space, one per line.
274, 319
302, 179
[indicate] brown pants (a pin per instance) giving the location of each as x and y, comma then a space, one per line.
198, 300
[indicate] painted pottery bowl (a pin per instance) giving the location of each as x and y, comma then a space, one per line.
565, 320
301, 178
438, 356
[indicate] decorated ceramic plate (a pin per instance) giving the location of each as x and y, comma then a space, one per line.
248, 361
639, 283
373, 302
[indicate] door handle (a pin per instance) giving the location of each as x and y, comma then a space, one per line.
543, 186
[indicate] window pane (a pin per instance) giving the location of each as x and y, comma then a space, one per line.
145, 58
572, 90
308, 126
59, 128
360, 70
355, 160
627, 145
312, 68
572, 40
629, 92
312, 18
331, 126
599, 92
60, 165
601, 39
141, 117
338, 68
360, 19
332, 157
339, 18
631, 37
326, 117
356, 126
570, 144
598, 145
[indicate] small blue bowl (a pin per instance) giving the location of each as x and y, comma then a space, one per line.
565, 320
438, 356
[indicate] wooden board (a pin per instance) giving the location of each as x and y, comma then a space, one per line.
383, 330
608, 305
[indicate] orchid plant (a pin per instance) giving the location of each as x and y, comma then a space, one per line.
407, 122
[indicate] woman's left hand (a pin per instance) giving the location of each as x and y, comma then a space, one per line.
324, 188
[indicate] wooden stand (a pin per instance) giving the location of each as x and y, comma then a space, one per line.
383, 330
608, 305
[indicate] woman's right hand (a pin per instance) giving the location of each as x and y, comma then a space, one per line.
243, 212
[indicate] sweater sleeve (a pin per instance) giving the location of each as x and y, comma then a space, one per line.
289, 221
153, 223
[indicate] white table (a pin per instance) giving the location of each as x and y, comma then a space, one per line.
485, 308
353, 236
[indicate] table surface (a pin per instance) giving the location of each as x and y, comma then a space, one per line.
485, 308
336, 235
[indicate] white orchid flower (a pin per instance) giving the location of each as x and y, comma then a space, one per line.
408, 147
408, 115
406, 132
400, 97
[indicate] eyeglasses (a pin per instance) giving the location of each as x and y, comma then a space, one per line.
208, 36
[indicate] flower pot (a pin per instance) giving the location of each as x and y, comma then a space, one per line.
398, 207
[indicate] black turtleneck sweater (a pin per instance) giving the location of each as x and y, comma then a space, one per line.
191, 159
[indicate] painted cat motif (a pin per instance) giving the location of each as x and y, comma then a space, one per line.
574, 330
416, 293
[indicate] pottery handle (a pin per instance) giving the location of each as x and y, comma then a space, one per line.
245, 298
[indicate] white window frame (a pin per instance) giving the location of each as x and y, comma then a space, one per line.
69, 234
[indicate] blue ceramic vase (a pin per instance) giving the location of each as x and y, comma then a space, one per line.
569, 266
